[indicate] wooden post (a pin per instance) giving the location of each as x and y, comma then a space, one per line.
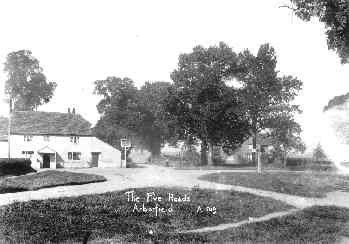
9, 129
259, 165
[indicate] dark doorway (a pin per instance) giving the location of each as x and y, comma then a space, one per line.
46, 160
94, 161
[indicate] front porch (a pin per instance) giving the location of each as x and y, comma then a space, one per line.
48, 158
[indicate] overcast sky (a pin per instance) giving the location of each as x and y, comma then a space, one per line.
78, 42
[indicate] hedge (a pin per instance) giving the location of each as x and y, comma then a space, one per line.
15, 166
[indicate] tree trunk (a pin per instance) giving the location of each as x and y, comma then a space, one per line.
204, 153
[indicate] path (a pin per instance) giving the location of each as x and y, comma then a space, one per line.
237, 224
154, 176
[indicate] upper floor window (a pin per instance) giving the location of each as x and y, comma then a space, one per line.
74, 139
28, 138
46, 138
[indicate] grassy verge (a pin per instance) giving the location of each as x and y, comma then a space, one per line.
109, 215
307, 184
46, 179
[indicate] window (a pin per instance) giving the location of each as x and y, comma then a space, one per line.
28, 154
46, 138
28, 138
74, 139
74, 155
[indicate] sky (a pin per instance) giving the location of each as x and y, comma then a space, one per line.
80, 41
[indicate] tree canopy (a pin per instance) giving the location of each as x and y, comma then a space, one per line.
200, 101
127, 111
267, 98
335, 15
26, 84
336, 101
319, 153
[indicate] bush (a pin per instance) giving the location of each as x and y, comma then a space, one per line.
310, 164
298, 162
15, 166
322, 165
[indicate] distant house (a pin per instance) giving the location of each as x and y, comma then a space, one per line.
55, 140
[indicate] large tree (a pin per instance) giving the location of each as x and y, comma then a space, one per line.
319, 153
154, 127
130, 112
26, 84
266, 96
200, 101
285, 136
334, 14
118, 108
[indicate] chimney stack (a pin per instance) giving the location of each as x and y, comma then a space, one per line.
73, 111
68, 110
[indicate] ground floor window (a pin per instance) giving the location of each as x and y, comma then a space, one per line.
74, 155
27, 154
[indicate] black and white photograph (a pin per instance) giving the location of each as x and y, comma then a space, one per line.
162, 121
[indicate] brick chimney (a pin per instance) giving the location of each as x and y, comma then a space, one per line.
68, 110
73, 111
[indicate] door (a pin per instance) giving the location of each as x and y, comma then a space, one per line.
46, 160
94, 161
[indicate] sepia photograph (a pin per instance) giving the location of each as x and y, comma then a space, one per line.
162, 121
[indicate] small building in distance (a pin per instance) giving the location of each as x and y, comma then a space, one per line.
55, 140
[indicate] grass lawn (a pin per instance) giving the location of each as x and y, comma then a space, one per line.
217, 167
307, 184
325, 224
111, 215
44, 179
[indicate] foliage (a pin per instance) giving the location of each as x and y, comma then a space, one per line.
285, 134
130, 112
15, 166
118, 108
319, 153
26, 84
335, 15
267, 98
155, 123
336, 101
201, 103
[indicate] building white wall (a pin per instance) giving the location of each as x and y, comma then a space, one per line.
109, 156
3, 149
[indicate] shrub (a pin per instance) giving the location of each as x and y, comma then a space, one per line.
298, 162
15, 166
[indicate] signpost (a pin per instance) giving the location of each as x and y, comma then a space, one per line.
125, 143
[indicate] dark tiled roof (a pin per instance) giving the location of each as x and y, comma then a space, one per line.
46, 123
